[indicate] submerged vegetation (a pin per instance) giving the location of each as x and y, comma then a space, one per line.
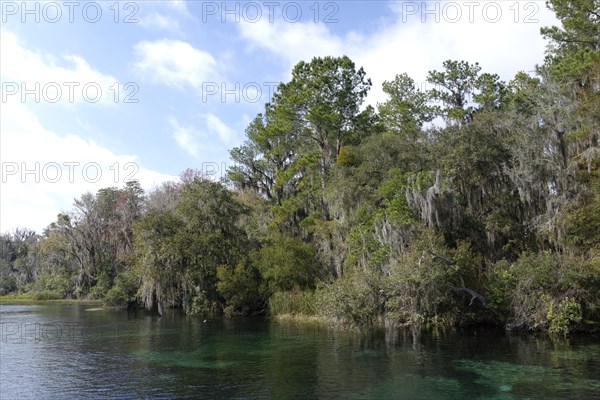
476, 201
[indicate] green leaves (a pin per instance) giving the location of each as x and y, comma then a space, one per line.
288, 263
407, 108
453, 88
365, 215
545, 291
394, 190
290, 150
179, 251
462, 91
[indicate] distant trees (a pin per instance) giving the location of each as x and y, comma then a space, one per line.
179, 251
477, 200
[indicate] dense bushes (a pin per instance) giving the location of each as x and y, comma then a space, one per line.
8, 284
546, 291
241, 287
293, 302
51, 287
351, 301
366, 216
124, 291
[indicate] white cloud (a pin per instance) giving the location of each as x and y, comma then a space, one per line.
186, 137
214, 136
403, 43
156, 20
178, 5
175, 63
42, 75
42, 171
216, 126
292, 42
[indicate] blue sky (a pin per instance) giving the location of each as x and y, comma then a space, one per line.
94, 93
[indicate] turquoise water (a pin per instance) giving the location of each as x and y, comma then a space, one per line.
76, 352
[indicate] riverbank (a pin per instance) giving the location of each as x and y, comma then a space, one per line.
26, 298
301, 318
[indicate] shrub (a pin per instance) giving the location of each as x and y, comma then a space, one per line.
564, 316
58, 284
8, 284
123, 293
294, 302
201, 304
546, 291
419, 285
102, 286
46, 295
116, 297
288, 263
350, 301
241, 287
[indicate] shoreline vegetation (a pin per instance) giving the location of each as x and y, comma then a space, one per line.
472, 202
28, 298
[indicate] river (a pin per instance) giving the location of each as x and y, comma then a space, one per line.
59, 351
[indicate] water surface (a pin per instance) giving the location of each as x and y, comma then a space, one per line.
78, 352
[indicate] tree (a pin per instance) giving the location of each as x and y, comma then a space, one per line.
288, 263
292, 147
579, 36
407, 108
179, 251
453, 88
158, 262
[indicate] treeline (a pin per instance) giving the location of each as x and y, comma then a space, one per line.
476, 201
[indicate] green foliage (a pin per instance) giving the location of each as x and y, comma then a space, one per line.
241, 287
453, 88
8, 284
294, 144
347, 157
575, 45
293, 302
365, 250
288, 263
123, 293
407, 108
42, 295
394, 190
363, 216
417, 288
116, 297
583, 221
103, 285
351, 301
201, 305
563, 317
545, 291
51, 285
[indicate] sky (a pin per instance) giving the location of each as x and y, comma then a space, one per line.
94, 94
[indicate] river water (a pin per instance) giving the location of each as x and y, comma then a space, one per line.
79, 352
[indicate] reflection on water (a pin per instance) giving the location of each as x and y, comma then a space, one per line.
76, 351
